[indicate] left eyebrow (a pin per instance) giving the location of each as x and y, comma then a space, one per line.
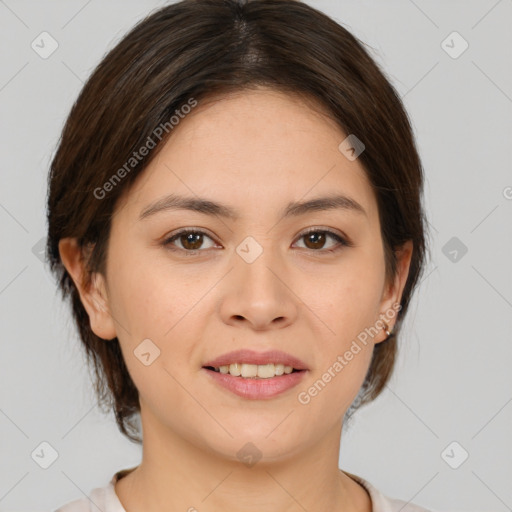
208, 207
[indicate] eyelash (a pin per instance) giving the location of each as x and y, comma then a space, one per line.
342, 241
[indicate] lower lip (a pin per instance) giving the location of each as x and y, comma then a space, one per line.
257, 389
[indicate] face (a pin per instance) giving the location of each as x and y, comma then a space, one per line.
304, 281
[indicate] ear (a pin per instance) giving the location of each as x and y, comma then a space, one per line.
93, 294
392, 294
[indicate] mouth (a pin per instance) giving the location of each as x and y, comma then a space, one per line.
256, 375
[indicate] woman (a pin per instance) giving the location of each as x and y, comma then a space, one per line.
235, 215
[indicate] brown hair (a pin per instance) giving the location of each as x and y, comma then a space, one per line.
196, 49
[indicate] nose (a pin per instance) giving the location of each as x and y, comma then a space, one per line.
259, 293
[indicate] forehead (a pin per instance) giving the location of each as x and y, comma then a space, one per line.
251, 149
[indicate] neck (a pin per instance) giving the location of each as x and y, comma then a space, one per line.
176, 474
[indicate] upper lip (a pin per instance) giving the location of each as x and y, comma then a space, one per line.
251, 357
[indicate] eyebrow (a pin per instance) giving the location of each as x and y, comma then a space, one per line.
208, 207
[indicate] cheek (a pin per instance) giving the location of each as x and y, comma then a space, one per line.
154, 302
349, 307
146, 299
349, 302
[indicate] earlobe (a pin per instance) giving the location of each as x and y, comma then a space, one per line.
93, 293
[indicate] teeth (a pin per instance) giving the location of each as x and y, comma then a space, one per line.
249, 370
261, 371
265, 371
235, 369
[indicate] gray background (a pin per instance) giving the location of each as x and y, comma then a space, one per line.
453, 380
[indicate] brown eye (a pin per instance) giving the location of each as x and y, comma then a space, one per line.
315, 239
190, 240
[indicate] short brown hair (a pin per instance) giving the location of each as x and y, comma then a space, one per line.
196, 49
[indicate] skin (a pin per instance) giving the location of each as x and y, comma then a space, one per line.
254, 151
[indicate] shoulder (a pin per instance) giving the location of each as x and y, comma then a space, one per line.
404, 506
100, 498
382, 503
75, 506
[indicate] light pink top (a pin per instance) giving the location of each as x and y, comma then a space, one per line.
105, 498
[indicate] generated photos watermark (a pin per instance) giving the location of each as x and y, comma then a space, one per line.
305, 397
137, 156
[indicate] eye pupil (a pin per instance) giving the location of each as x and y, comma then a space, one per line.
189, 239
317, 238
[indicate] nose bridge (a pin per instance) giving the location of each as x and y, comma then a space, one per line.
258, 263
